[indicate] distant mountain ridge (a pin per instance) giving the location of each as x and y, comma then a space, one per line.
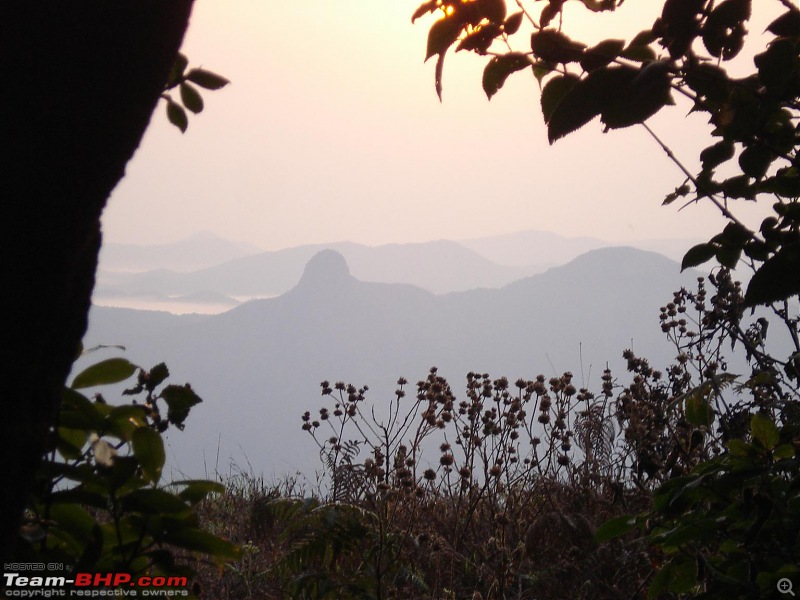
227, 272
258, 365
195, 252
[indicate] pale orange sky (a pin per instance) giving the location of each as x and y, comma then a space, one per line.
331, 130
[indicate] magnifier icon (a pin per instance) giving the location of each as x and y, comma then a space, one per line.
785, 586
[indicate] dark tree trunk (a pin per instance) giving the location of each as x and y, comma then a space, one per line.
79, 80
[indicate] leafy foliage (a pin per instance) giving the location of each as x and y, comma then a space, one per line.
684, 53
187, 81
98, 503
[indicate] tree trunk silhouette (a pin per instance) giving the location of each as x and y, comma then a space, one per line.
80, 80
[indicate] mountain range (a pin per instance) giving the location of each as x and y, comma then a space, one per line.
209, 274
258, 365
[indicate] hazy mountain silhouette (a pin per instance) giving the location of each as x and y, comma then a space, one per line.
439, 267
258, 366
198, 251
533, 247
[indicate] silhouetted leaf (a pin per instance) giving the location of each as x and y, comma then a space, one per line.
574, 111
724, 29
554, 91
787, 25
443, 34
639, 95
755, 160
734, 235
677, 27
176, 73
778, 65
112, 370
715, 155
555, 47
206, 79
191, 98
179, 400
549, 13
424, 8
697, 255
437, 76
708, 81
177, 116
602, 54
493, 10
499, 68
729, 256
777, 279
480, 39
639, 50
156, 376
513, 23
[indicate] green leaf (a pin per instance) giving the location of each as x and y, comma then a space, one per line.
78, 412
197, 540
764, 431
614, 528
206, 79
122, 421
499, 68
191, 98
678, 576
154, 501
179, 400
112, 370
783, 451
148, 448
698, 411
196, 490
697, 255
177, 116
554, 91
70, 442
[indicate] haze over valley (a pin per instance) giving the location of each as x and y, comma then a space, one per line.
368, 315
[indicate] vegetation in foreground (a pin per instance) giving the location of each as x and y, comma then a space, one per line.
682, 483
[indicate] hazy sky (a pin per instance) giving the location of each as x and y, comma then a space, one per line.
331, 130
